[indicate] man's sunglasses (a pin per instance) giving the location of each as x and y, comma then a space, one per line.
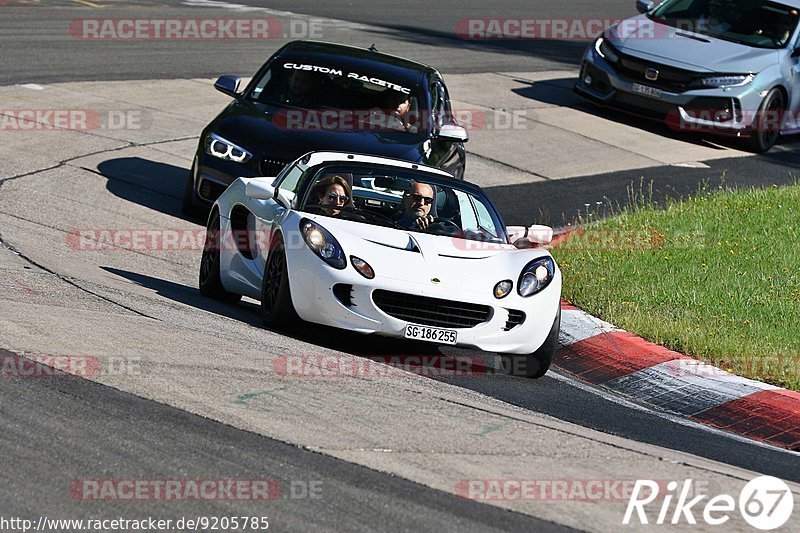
340, 197
419, 199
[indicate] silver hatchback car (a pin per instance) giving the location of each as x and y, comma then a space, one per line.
723, 66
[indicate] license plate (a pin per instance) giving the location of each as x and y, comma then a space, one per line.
644, 89
424, 333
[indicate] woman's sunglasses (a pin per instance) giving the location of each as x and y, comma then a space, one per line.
333, 197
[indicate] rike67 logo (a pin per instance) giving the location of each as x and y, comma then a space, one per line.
765, 503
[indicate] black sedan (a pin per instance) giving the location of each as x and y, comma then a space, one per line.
312, 96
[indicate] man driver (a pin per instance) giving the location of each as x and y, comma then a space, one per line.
416, 207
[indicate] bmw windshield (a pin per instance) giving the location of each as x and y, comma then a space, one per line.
756, 23
333, 97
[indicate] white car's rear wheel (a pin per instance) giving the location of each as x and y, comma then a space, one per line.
210, 282
276, 299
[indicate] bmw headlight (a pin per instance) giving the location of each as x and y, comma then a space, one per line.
323, 244
536, 276
605, 50
728, 80
226, 150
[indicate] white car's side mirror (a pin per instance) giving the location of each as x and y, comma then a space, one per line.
260, 188
515, 232
540, 234
526, 237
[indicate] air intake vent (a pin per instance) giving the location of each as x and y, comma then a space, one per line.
344, 293
211, 190
515, 318
431, 311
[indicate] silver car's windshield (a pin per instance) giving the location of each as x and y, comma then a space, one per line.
397, 198
756, 23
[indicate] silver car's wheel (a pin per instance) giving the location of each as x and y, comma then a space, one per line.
767, 125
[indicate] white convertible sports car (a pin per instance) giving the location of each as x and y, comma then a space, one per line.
334, 239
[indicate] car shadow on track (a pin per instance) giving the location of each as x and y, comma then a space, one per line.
158, 186
369, 346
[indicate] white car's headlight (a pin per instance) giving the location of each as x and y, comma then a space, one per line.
605, 50
728, 80
323, 244
536, 276
224, 149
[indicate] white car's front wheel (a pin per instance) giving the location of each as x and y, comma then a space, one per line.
210, 281
536, 364
276, 299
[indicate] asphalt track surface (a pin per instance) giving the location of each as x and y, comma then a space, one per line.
98, 427
91, 428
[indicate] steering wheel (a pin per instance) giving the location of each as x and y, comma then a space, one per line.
445, 225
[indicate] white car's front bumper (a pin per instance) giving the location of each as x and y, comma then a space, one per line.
312, 282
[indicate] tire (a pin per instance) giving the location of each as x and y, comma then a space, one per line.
276, 298
536, 364
209, 281
767, 125
189, 206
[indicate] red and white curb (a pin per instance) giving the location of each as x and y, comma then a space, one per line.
601, 354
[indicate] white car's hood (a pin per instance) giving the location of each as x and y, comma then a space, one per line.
417, 257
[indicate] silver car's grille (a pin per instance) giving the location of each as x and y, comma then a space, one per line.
431, 311
670, 79
643, 105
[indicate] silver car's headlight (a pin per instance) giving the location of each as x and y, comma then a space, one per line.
727, 80
536, 276
605, 50
224, 149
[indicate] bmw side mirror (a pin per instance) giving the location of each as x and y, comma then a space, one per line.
643, 6
453, 132
228, 85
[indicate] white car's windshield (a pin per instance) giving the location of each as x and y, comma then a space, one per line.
400, 199
757, 23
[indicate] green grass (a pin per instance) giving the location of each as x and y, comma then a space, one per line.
716, 276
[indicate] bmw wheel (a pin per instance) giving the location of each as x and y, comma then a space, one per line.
276, 299
767, 125
188, 203
210, 282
